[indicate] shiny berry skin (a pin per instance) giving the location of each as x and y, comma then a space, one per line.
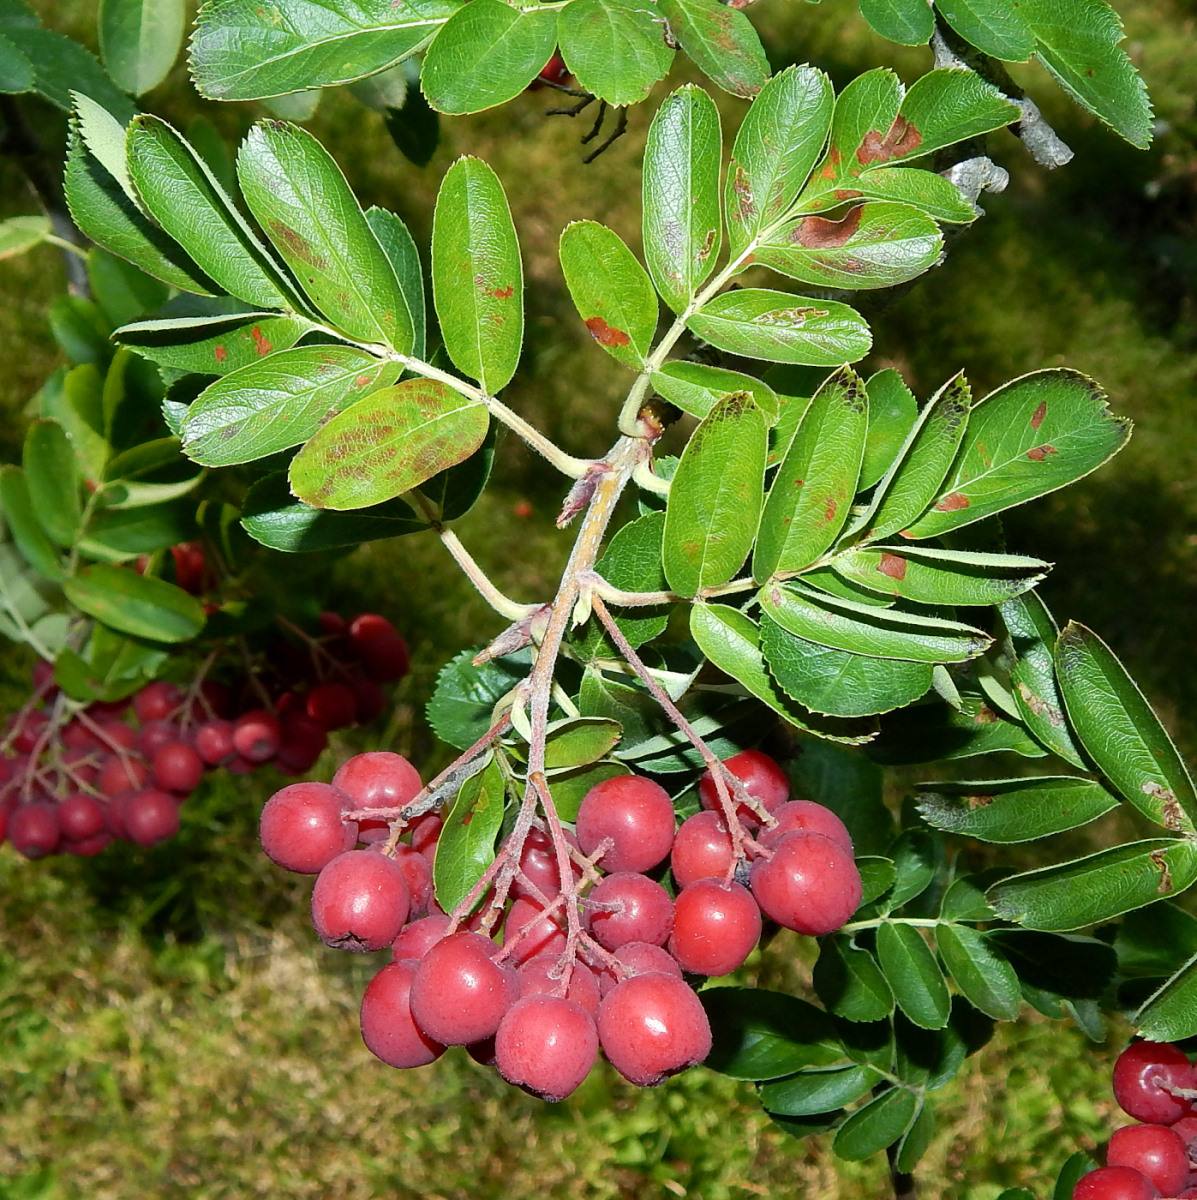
652, 1026
638, 958
460, 993
1155, 1150
156, 701
538, 862
810, 884
546, 1045
388, 1028
418, 937
1138, 1068
302, 740
417, 871
715, 928
636, 813
1115, 1183
150, 816
554, 71
177, 767
628, 907
360, 901
537, 978
257, 735
805, 816
378, 779
153, 735
529, 931
762, 778
702, 849
214, 741
301, 828
80, 816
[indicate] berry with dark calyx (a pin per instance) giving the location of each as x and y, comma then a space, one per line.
460, 993
80, 816
257, 735
628, 907
762, 778
178, 768
636, 814
33, 829
388, 1029
546, 1045
157, 701
150, 816
805, 816
530, 931
1115, 1183
542, 975
360, 901
1142, 1074
301, 828
417, 937
715, 927
214, 741
810, 884
378, 779
1157, 1151
333, 705
702, 849
652, 1026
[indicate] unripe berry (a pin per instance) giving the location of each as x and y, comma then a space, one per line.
636, 814
546, 1045
360, 901
652, 1026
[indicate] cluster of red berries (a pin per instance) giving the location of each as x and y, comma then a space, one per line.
539, 1000
75, 777
1156, 1084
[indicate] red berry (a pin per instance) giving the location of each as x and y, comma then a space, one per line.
546, 1045
538, 862
542, 976
554, 71
80, 816
178, 768
418, 937
417, 872
702, 849
530, 932
360, 901
805, 816
87, 847
156, 734
715, 927
460, 993
150, 816
382, 652
333, 625
636, 814
651, 1026
302, 741
369, 699
1115, 1183
214, 741
1157, 1151
157, 701
628, 907
388, 1029
639, 958
257, 735
301, 827
366, 627
33, 829
119, 774
378, 779
333, 705
811, 884
762, 778
117, 733
425, 831
1141, 1074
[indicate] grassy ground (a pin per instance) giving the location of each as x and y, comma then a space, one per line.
170, 1027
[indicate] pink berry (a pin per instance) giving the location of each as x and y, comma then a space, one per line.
546, 1045
416, 938
214, 741
762, 778
301, 827
638, 958
150, 816
177, 767
810, 884
628, 907
805, 816
529, 931
542, 975
257, 735
636, 814
1157, 1151
715, 927
80, 816
360, 901
702, 849
156, 701
378, 779
388, 1028
33, 829
1115, 1183
460, 993
1142, 1074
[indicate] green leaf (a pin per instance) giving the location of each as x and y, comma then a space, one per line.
811, 1092
19, 234
279, 402
467, 842
907, 22
696, 388
179, 189
135, 604
681, 218
837, 682
212, 345
878, 1124
1078, 42
1155, 941
415, 128
812, 492
1075, 1166
933, 194
568, 788
731, 641
116, 535
916, 1141
1014, 810
892, 414
76, 403
616, 49
722, 41
918, 857
123, 292
272, 516
911, 970
780, 327
17, 73
1098, 887
926, 733
1031, 436
464, 698
964, 899
486, 54
386, 90
388, 443
916, 476
477, 277
873, 245
758, 1034
400, 248
994, 27
877, 876
862, 629
716, 497
62, 66
140, 40
298, 195
80, 329
24, 527
579, 741
777, 145
611, 291
245, 50
983, 974
1170, 1013
53, 480
947, 106
849, 982
939, 577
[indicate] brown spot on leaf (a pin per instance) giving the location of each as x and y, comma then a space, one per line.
799, 482
819, 233
1172, 813
901, 139
893, 565
1165, 884
504, 293
952, 502
985, 716
745, 202
975, 802
846, 194
1038, 415
1039, 453
708, 245
830, 509
467, 819
261, 342
230, 431
1040, 707
606, 335
362, 380
220, 353
297, 244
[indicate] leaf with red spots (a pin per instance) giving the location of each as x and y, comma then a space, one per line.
467, 842
477, 276
611, 291
722, 41
1031, 436
390, 442
812, 492
277, 402
212, 345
